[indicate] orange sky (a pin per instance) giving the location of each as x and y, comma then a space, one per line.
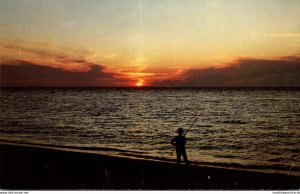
143, 41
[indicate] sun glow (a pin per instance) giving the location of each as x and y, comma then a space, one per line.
140, 83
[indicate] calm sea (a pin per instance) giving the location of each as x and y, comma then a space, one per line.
256, 129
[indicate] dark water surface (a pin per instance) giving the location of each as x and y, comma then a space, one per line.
244, 128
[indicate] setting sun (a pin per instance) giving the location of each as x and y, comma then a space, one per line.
142, 43
140, 83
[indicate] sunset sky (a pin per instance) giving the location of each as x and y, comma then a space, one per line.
150, 43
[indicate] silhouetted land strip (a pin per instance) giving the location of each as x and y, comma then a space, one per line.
24, 167
149, 88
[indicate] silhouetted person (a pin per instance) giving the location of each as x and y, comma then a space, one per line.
179, 141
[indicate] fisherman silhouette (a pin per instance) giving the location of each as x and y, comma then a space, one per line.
179, 141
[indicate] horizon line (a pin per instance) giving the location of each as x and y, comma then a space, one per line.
150, 87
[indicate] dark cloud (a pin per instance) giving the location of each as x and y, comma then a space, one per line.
23, 74
283, 72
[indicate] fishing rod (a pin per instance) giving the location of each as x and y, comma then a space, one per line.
189, 128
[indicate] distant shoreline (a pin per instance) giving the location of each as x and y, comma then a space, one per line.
158, 88
28, 167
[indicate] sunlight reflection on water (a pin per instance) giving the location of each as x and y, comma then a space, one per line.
245, 127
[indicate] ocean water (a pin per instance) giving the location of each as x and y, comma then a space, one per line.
256, 129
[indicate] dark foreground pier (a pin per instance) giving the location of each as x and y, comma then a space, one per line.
34, 168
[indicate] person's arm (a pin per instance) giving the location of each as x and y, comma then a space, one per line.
173, 142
